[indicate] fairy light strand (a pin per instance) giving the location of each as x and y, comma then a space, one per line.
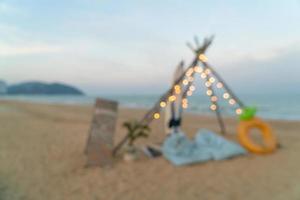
211, 81
208, 75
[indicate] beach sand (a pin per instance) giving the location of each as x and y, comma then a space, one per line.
41, 158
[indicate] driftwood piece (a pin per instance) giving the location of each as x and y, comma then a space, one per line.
100, 141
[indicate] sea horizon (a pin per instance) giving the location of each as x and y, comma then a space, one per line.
270, 106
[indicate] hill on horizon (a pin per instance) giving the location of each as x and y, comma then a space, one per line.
38, 87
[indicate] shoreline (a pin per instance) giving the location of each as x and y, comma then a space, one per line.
124, 107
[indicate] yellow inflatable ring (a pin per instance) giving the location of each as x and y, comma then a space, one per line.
270, 142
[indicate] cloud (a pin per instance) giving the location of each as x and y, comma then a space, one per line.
15, 50
277, 73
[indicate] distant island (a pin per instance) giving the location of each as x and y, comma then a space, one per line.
36, 88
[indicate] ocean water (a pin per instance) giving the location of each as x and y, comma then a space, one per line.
270, 106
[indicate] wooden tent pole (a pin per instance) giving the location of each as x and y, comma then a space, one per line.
220, 120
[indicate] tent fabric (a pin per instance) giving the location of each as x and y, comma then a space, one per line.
179, 150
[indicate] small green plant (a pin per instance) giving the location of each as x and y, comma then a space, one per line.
136, 130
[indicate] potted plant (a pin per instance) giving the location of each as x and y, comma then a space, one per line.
135, 130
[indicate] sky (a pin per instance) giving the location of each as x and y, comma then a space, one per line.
130, 47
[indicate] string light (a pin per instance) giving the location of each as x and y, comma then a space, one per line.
156, 115
192, 88
190, 79
231, 101
185, 82
198, 69
172, 98
189, 93
177, 89
207, 84
207, 71
185, 106
219, 85
203, 75
185, 100
203, 58
226, 95
238, 111
209, 92
214, 98
212, 79
162, 104
213, 107
185, 103
189, 72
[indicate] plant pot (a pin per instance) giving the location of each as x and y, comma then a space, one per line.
131, 154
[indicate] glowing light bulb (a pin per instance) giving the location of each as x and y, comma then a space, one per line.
172, 98
203, 58
213, 107
226, 95
190, 79
162, 104
185, 82
231, 101
189, 93
207, 71
214, 98
209, 92
185, 100
219, 85
212, 79
185, 105
156, 115
238, 111
203, 75
207, 84
177, 89
189, 72
192, 88
198, 69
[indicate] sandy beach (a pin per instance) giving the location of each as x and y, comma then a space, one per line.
41, 157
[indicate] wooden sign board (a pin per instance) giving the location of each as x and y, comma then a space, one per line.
100, 141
